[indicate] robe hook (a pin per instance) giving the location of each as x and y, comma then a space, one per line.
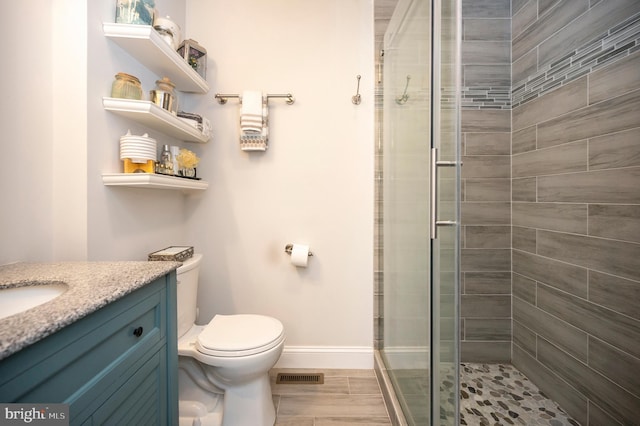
356, 98
401, 100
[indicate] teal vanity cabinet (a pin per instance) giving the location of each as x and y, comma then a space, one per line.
118, 365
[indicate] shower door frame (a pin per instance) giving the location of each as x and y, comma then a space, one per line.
446, 42
443, 112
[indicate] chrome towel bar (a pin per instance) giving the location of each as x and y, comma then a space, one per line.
224, 97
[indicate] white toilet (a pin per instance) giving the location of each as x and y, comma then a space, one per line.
224, 365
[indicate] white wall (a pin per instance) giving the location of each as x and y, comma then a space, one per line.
26, 124
69, 130
314, 184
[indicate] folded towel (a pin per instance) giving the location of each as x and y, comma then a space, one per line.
251, 117
251, 113
251, 103
258, 142
251, 121
190, 115
254, 124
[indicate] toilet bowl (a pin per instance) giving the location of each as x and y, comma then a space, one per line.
229, 358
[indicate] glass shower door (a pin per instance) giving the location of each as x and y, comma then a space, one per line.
420, 186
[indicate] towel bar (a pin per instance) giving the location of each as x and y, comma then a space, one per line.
222, 97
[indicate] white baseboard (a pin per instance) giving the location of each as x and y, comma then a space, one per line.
338, 357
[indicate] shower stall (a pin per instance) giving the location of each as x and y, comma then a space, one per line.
421, 184
525, 261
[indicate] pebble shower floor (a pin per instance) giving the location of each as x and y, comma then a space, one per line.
499, 394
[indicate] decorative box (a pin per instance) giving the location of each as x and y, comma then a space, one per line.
174, 253
195, 55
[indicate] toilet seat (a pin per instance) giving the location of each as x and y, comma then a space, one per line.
239, 335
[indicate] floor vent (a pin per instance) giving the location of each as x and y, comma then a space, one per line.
300, 379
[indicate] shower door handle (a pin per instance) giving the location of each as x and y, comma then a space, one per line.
434, 193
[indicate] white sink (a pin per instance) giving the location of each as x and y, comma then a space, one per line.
14, 300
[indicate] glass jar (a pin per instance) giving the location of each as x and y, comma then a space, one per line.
126, 86
164, 95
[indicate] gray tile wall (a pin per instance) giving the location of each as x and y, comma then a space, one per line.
486, 52
486, 181
576, 204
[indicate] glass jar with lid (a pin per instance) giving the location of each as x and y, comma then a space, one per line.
164, 95
126, 86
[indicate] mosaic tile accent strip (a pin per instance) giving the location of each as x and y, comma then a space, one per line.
619, 41
499, 394
478, 97
486, 97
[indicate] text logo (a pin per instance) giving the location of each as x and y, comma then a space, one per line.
34, 414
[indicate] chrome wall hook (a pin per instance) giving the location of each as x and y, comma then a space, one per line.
401, 100
355, 99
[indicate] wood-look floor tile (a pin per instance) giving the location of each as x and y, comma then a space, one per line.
363, 386
295, 421
347, 397
342, 421
332, 406
348, 373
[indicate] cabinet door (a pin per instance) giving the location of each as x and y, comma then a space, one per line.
124, 349
141, 400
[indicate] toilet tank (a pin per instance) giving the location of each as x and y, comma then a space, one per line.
187, 290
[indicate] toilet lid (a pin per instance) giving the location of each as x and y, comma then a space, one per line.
239, 335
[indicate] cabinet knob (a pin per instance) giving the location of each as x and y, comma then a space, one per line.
138, 331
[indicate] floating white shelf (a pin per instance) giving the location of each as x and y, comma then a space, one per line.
154, 181
151, 115
147, 47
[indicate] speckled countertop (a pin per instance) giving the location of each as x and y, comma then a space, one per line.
91, 285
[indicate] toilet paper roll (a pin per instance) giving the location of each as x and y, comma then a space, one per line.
300, 255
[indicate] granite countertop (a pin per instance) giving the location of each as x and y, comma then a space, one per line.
91, 285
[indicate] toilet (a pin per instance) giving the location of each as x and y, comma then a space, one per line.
223, 366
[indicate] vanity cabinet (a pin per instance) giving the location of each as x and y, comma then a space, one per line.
118, 365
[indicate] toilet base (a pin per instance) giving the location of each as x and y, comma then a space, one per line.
197, 406
249, 405
194, 413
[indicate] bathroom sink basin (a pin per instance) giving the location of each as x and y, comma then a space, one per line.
14, 300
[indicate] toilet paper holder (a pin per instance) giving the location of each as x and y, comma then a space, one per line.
289, 248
